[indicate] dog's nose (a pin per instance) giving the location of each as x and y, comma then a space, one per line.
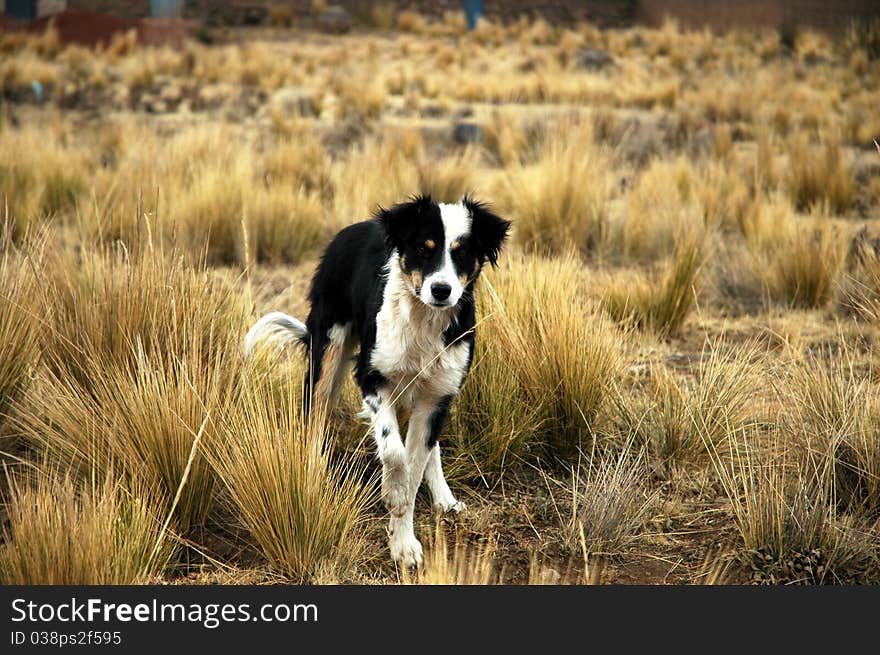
441, 291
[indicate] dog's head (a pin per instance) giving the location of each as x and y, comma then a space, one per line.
442, 247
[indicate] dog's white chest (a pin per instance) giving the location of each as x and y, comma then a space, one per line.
410, 349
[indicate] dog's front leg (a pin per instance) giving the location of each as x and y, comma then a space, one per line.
405, 547
380, 411
441, 495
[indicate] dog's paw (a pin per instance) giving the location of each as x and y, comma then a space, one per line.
451, 505
406, 550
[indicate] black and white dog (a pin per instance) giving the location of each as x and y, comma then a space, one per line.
402, 287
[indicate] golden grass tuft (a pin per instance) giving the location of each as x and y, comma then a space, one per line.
677, 417
819, 176
543, 368
560, 200
660, 304
140, 363
62, 532
19, 336
839, 412
44, 179
803, 268
785, 512
304, 510
462, 566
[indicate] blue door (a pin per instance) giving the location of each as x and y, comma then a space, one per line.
165, 8
21, 9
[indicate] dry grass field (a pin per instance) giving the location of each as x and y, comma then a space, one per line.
676, 374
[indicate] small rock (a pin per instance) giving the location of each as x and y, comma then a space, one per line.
593, 59
334, 20
464, 133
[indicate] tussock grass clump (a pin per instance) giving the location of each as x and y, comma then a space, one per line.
462, 566
795, 260
19, 343
663, 304
785, 513
304, 510
611, 501
677, 417
45, 177
839, 411
149, 421
802, 269
819, 175
407, 167
282, 226
660, 210
858, 293
140, 361
66, 533
542, 372
560, 200
110, 306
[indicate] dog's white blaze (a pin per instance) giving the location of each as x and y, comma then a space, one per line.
456, 224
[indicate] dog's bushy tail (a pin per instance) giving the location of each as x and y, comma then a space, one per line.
281, 328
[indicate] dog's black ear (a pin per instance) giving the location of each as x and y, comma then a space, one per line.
489, 231
400, 220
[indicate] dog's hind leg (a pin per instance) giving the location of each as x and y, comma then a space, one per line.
334, 355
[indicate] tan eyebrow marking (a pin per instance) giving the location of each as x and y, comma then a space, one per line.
430, 244
455, 244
